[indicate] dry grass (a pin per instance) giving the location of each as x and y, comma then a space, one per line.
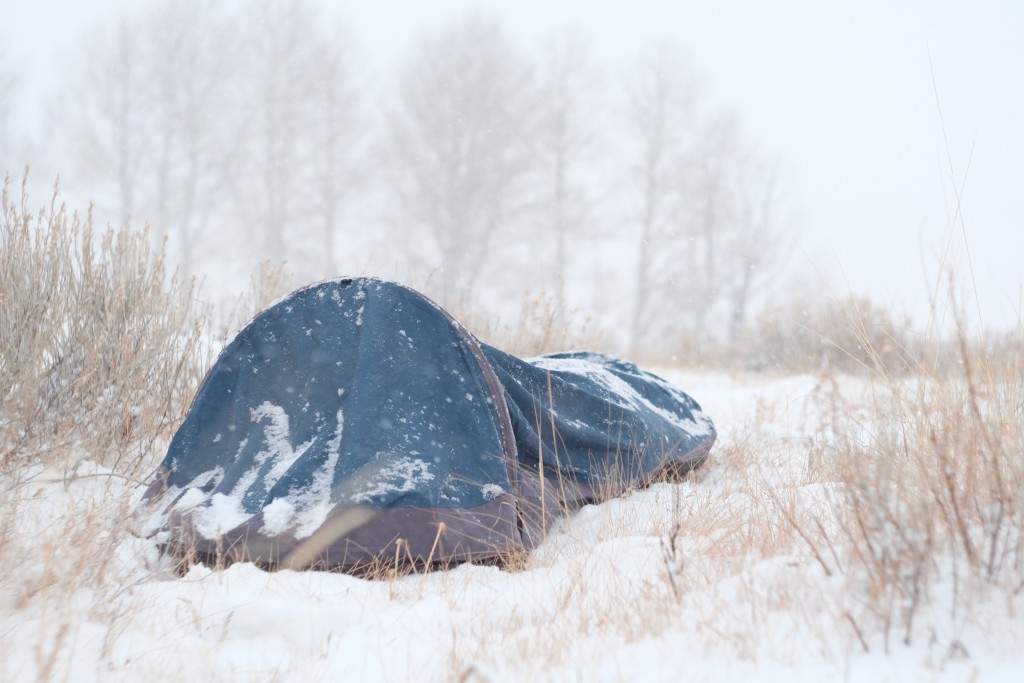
932, 475
268, 283
541, 326
99, 342
834, 336
852, 335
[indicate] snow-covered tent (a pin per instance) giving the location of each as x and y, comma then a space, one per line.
356, 422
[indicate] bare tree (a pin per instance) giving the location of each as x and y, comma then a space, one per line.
195, 141
335, 162
107, 115
661, 118
198, 123
281, 42
300, 152
707, 220
460, 144
731, 242
757, 247
704, 215
189, 129
567, 138
152, 115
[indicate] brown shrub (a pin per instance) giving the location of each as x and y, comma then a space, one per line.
854, 335
99, 344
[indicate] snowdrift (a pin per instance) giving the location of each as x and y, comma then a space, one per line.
356, 422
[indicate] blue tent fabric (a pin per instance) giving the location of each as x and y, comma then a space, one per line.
357, 422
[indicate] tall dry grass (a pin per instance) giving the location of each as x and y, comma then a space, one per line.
542, 325
929, 464
100, 343
965, 458
830, 336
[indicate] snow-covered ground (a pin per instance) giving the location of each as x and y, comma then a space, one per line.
700, 580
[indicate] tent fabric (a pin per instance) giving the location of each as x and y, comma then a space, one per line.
356, 422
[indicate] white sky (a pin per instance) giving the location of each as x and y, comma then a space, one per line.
840, 93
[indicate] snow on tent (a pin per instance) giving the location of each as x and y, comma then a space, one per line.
356, 422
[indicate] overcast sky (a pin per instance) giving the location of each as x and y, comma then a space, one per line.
842, 94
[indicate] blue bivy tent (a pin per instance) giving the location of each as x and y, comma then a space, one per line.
355, 422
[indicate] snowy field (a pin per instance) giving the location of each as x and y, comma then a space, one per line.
719, 577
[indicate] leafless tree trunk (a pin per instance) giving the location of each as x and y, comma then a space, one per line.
708, 237
334, 142
706, 198
567, 136
282, 54
460, 145
758, 251
300, 133
661, 100
733, 244
191, 60
110, 123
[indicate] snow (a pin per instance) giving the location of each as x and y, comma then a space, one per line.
612, 594
299, 513
221, 515
276, 436
277, 517
619, 391
386, 475
316, 503
491, 491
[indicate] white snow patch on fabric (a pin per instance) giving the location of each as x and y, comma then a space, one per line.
276, 436
190, 498
277, 517
184, 497
222, 514
207, 479
400, 475
491, 491
624, 395
311, 507
303, 512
